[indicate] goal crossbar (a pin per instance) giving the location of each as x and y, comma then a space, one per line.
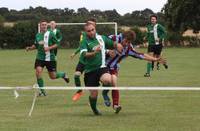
98, 23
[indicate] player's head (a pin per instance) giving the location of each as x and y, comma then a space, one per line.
128, 37
43, 26
52, 24
90, 30
153, 19
92, 21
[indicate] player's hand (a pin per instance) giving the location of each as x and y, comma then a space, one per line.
137, 46
162, 60
111, 53
157, 40
145, 45
28, 48
97, 48
119, 48
72, 56
46, 49
41, 42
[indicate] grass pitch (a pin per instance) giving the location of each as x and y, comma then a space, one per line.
142, 110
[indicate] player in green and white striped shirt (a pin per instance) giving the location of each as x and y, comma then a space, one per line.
80, 66
45, 43
155, 36
93, 49
57, 33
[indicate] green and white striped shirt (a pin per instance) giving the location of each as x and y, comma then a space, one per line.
42, 40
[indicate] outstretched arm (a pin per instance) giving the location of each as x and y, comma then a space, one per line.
29, 48
144, 56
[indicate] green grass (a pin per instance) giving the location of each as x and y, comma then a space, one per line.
142, 110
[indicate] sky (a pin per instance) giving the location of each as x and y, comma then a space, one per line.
122, 6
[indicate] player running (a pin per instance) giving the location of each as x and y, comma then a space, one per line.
93, 50
80, 66
45, 43
155, 36
57, 33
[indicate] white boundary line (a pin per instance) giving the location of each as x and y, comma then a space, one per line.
33, 104
35, 87
103, 88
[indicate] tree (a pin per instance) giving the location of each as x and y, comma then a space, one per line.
182, 14
1, 20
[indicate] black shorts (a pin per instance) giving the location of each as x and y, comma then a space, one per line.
92, 78
80, 67
156, 49
50, 65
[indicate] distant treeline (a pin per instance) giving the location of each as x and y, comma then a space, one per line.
23, 32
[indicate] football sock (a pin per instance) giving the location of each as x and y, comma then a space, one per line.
149, 66
93, 104
60, 74
77, 80
152, 65
40, 83
115, 97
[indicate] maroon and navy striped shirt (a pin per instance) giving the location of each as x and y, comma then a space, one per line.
113, 63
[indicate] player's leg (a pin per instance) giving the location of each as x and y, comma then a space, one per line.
106, 81
158, 53
91, 80
39, 65
149, 64
115, 95
53, 74
152, 65
79, 70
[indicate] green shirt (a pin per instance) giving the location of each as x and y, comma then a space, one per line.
57, 34
97, 61
42, 40
155, 31
82, 37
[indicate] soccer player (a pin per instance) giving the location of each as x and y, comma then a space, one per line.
155, 37
57, 33
93, 50
45, 43
80, 66
114, 58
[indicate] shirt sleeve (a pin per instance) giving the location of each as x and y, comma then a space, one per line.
109, 44
36, 42
133, 53
162, 31
59, 35
54, 39
77, 50
83, 47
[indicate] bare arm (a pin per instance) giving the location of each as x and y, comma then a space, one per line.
92, 54
50, 47
29, 48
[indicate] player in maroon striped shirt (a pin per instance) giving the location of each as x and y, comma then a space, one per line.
114, 58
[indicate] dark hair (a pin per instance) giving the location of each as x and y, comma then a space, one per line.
153, 15
88, 24
43, 21
91, 19
129, 35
